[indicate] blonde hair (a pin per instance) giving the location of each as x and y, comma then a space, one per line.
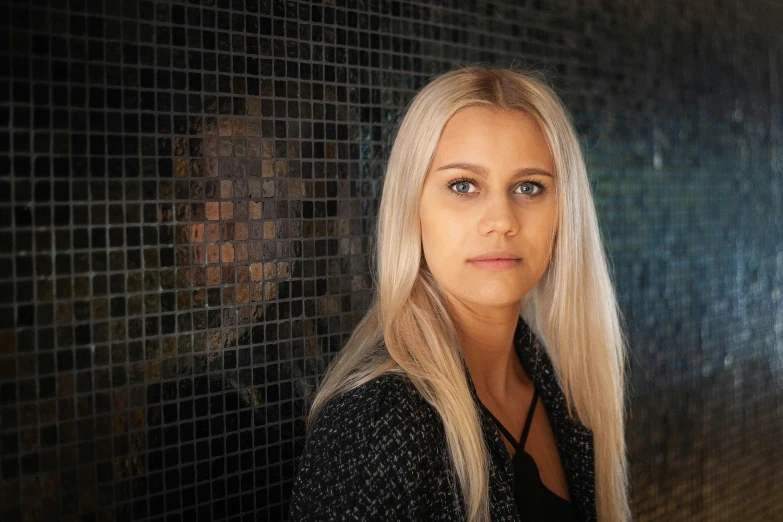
572, 310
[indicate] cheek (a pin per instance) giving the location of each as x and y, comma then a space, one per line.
428, 228
440, 238
539, 229
431, 236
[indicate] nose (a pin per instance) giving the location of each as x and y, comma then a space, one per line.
498, 216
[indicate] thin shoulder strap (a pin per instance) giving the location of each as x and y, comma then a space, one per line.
525, 431
529, 419
507, 433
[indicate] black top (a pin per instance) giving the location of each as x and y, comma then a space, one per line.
534, 500
379, 452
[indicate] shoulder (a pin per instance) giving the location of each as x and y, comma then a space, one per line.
377, 422
371, 452
389, 403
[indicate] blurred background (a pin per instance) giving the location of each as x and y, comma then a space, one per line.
187, 196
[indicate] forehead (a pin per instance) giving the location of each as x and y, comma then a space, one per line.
494, 136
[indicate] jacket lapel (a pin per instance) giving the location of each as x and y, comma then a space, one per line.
501, 471
574, 440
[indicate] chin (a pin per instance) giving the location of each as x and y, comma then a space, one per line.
485, 297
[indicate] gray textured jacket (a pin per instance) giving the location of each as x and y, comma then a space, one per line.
378, 452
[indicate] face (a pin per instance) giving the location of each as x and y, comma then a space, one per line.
490, 188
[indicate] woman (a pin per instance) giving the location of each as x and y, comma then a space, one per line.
486, 381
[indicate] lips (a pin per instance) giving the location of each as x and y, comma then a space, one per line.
495, 255
495, 264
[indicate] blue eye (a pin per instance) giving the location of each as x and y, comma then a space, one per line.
462, 183
531, 189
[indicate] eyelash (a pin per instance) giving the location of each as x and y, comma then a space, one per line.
541, 187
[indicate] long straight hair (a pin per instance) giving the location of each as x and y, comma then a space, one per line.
572, 310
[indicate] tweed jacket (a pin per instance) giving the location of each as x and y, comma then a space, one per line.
378, 452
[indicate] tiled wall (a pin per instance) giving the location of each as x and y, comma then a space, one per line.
187, 192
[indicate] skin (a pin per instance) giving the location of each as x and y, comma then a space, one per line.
493, 211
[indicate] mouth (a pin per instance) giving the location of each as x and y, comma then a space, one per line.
497, 255
495, 264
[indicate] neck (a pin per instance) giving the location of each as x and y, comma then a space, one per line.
487, 339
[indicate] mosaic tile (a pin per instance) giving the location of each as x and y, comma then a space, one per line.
187, 192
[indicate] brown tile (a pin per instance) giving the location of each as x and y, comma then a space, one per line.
213, 210
226, 189
253, 107
225, 126
240, 233
256, 271
213, 254
199, 255
240, 251
255, 209
269, 230
181, 167
227, 253
242, 294
197, 232
239, 127
267, 168
227, 210
213, 232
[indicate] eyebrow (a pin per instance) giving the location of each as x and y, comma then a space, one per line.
483, 171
